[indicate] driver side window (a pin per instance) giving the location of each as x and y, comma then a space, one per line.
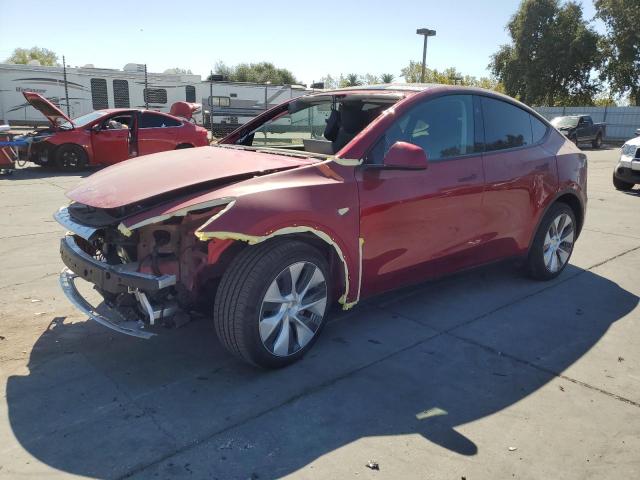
443, 127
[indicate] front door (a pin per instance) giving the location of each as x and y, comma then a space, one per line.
112, 139
420, 223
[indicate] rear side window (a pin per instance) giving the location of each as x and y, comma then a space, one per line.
443, 127
538, 129
99, 96
505, 125
153, 120
155, 95
121, 94
190, 93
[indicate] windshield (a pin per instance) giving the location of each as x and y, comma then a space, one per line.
559, 122
319, 124
83, 120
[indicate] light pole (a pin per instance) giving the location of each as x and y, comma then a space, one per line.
427, 33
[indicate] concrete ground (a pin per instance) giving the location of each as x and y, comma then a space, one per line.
483, 375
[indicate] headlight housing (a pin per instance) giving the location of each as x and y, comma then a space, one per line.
629, 150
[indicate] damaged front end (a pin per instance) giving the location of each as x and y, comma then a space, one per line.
144, 276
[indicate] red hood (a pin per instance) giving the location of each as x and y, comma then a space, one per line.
152, 175
48, 109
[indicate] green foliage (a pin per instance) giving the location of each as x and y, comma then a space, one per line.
449, 76
262, 72
621, 46
24, 55
551, 56
387, 78
351, 80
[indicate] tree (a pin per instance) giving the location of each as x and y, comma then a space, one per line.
621, 46
329, 81
351, 80
449, 76
552, 54
263, 72
178, 71
24, 55
387, 77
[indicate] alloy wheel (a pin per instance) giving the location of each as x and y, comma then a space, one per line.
293, 308
558, 243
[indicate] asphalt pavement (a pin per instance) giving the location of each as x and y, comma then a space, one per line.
482, 375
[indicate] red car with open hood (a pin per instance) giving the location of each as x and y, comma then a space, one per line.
105, 137
328, 198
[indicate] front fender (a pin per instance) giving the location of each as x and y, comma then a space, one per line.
326, 208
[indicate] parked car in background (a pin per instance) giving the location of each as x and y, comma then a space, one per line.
626, 174
281, 219
581, 129
109, 136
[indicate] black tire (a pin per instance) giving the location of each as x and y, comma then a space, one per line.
536, 267
621, 184
597, 143
183, 146
70, 158
243, 286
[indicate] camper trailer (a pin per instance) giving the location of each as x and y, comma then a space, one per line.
229, 104
232, 104
89, 89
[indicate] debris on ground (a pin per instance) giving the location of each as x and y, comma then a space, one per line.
513, 449
373, 465
38, 314
35, 300
621, 359
561, 388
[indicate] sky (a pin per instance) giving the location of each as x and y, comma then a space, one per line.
312, 39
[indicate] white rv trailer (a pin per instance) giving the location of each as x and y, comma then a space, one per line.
233, 103
89, 89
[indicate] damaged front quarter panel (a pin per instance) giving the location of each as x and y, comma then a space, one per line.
319, 199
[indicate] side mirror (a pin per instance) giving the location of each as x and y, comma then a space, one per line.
96, 128
406, 156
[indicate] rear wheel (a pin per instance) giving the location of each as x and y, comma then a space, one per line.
597, 143
621, 184
70, 157
553, 243
272, 302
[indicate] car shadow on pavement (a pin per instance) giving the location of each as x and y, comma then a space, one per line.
104, 405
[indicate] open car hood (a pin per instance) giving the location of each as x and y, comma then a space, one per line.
48, 109
176, 171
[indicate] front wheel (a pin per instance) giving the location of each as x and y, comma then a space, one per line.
272, 302
70, 157
553, 243
621, 184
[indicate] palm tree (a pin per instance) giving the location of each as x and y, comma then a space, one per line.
386, 77
352, 80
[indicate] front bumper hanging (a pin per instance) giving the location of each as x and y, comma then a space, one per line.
115, 279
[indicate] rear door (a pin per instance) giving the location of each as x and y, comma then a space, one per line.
520, 175
157, 132
421, 223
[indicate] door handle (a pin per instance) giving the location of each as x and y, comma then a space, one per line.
468, 179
